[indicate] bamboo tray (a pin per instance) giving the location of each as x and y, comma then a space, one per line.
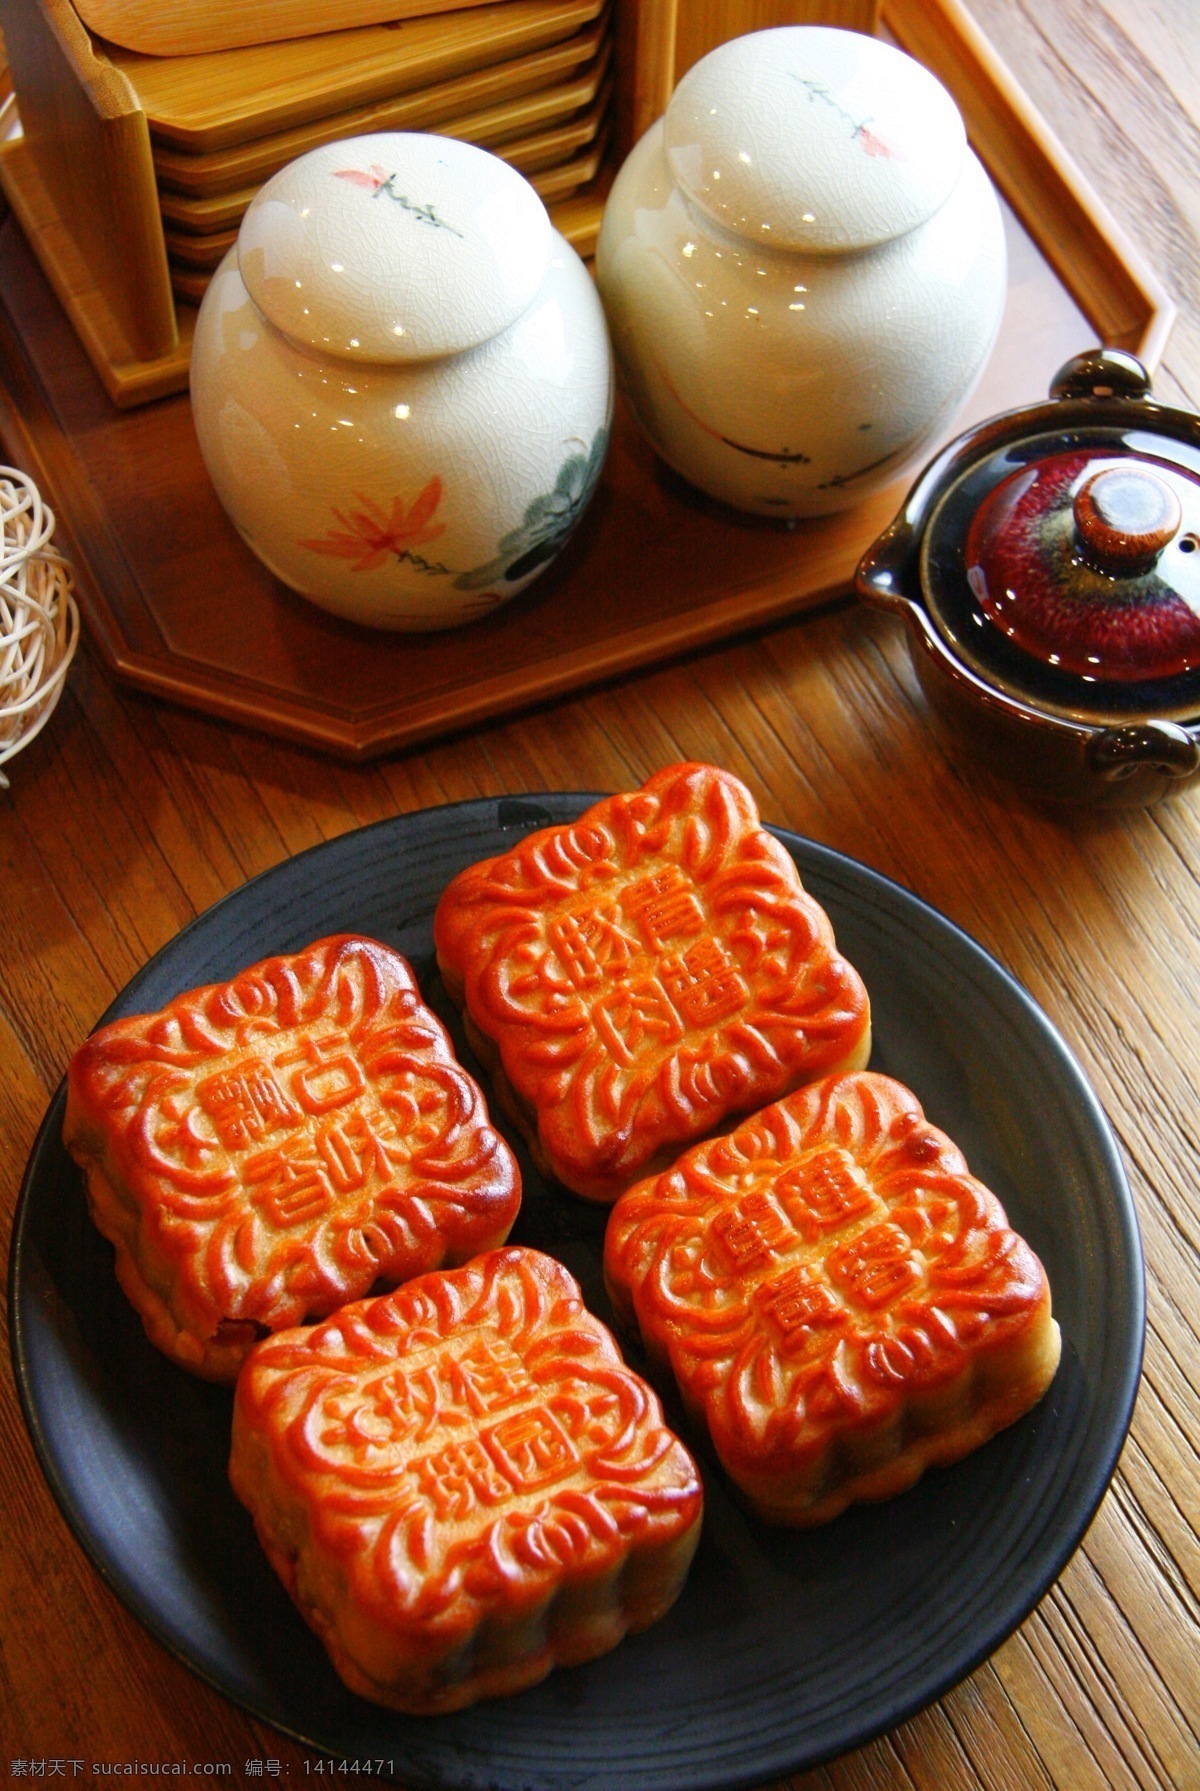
182, 28
178, 607
549, 86
77, 167
202, 103
199, 232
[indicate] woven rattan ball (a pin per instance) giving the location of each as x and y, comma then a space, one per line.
39, 622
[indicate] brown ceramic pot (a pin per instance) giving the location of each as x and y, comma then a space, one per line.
1048, 566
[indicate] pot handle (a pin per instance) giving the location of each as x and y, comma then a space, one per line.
1101, 373
1117, 753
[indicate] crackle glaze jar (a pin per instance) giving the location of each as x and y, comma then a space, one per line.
804, 269
401, 381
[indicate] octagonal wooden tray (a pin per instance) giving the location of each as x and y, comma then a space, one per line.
180, 608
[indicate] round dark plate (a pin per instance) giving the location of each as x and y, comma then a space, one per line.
785, 1647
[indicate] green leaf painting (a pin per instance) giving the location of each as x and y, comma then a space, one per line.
546, 523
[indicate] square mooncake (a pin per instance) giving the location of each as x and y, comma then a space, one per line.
647, 973
462, 1485
841, 1303
263, 1150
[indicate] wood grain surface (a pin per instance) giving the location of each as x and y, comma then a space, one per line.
83, 127
126, 818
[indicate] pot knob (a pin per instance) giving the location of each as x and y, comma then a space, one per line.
1124, 517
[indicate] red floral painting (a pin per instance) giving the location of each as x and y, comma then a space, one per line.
874, 145
368, 535
372, 178
377, 180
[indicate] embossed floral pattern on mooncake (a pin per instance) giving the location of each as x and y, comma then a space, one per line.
814, 1274
457, 1453
267, 1148
647, 971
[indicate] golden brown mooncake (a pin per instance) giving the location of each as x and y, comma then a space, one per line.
462, 1485
643, 975
263, 1150
840, 1302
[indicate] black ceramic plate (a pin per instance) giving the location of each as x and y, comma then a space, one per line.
785, 1648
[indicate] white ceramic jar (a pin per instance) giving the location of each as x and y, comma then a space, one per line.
401, 381
803, 266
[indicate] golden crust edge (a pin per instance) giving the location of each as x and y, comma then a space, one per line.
993, 1389
214, 1358
584, 1616
928, 1448
600, 1190
211, 1359
119, 1219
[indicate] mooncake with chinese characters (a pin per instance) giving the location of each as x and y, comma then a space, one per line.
260, 1151
841, 1303
644, 975
462, 1485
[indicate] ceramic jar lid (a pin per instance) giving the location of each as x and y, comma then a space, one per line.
809, 138
395, 247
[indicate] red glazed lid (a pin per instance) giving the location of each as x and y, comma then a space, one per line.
1048, 565
1088, 561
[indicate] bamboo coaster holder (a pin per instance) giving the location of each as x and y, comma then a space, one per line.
197, 104
80, 179
181, 28
80, 176
562, 81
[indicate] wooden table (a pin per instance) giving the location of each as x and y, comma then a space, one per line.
126, 819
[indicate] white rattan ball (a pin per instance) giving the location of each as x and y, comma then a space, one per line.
39, 621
